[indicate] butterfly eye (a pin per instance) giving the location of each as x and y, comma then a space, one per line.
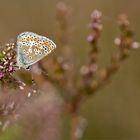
28, 68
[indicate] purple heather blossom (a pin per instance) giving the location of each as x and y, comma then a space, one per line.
11, 69
1, 75
91, 38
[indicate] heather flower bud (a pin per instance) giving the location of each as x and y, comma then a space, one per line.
1, 75
91, 39
135, 45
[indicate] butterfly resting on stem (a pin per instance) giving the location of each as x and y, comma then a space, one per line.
31, 48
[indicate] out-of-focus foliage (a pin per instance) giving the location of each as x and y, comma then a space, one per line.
59, 104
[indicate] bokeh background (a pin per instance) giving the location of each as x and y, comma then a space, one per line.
114, 111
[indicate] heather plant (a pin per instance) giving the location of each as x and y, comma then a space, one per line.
8, 66
60, 86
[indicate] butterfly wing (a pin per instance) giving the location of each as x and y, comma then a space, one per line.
31, 48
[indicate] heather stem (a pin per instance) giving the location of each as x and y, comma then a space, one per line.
74, 123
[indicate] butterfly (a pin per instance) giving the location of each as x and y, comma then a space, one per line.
31, 48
